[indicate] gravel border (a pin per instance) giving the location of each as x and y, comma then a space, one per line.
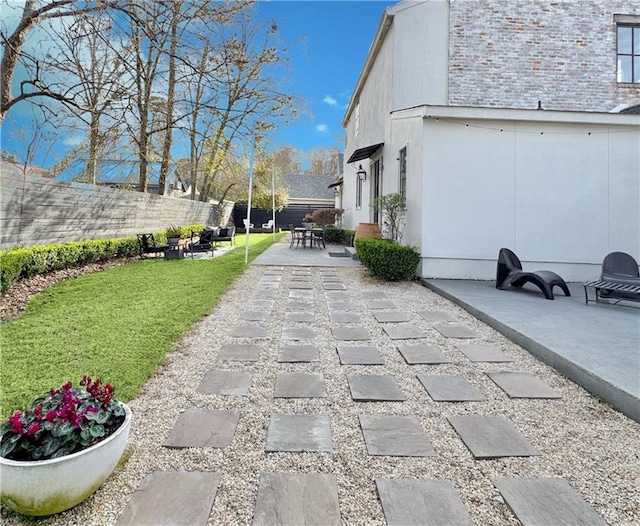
595, 448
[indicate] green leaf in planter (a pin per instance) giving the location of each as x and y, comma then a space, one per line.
102, 416
7, 446
38, 452
97, 431
85, 435
50, 445
61, 429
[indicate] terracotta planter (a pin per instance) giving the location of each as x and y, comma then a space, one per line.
367, 230
45, 487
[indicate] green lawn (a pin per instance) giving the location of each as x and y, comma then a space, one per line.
116, 324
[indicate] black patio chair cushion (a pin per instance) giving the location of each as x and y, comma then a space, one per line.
147, 245
510, 273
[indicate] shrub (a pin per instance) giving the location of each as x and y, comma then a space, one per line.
387, 260
326, 216
338, 235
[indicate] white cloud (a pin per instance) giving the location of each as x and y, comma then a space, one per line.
328, 99
322, 128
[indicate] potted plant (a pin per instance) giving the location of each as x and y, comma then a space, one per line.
174, 233
57, 453
308, 222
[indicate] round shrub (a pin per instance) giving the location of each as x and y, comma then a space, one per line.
387, 260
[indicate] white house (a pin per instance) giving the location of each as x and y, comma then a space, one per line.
503, 125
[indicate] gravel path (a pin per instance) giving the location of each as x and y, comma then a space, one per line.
596, 449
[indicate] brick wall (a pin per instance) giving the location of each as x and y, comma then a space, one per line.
514, 53
38, 211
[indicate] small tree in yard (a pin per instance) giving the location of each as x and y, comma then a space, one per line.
326, 216
393, 208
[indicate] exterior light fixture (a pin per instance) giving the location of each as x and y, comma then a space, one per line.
361, 173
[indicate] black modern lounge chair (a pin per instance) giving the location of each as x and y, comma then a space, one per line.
147, 245
510, 273
620, 268
204, 243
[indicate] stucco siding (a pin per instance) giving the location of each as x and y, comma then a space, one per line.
512, 54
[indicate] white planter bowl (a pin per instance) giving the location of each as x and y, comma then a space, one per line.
45, 487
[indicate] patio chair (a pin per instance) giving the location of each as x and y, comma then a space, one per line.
225, 234
620, 268
296, 237
147, 245
250, 225
205, 241
510, 273
317, 237
268, 224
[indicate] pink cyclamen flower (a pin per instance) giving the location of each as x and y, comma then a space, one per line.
33, 429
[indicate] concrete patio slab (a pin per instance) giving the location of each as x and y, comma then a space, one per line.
301, 294
227, 383
298, 333
360, 356
454, 331
546, 501
395, 435
255, 315
484, 353
338, 295
404, 332
177, 498
422, 354
260, 305
390, 316
489, 436
450, 388
299, 385
295, 499
300, 305
374, 388
373, 295
239, 352
522, 385
422, 502
379, 304
301, 285
341, 305
300, 317
299, 432
198, 428
248, 331
350, 333
333, 285
298, 353
344, 317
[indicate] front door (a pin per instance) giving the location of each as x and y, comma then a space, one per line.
376, 186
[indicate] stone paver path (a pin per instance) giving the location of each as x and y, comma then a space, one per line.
292, 347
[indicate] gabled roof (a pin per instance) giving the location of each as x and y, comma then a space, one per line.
635, 110
309, 186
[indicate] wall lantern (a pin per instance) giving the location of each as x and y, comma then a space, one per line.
361, 173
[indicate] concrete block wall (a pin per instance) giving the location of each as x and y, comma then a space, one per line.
39, 211
514, 53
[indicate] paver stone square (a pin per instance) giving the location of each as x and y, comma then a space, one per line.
374, 388
344, 317
268, 285
267, 294
249, 331
422, 502
350, 333
228, 383
379, 304
435, 315
373, 295
359, 356
298, 353
270, 278
203, 428
419, 354
541, 501
390, 316
299, 385
522, 385
261, 305
331, 285
299, 432
298, 333
296, 499
300, 285
489, 436
331, 279
297, 305
172, 498
337, 295
306, 278
404, 332
454, 331
340, 305
395, 435
450, 388
484, 353
255, 315
230, 352
301, 294
300, 317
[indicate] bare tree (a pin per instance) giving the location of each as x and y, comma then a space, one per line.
286, 160
323, 161
35, 12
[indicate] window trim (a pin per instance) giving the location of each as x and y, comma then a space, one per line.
402, 172
358, 193
634, 24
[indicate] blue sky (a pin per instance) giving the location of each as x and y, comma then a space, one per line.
327, 43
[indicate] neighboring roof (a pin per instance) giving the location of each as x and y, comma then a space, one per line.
364, 153
309, 186
337, 182
18, 169
635, 110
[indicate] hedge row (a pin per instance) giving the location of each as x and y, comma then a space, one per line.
338, 235
23, 262
387, 260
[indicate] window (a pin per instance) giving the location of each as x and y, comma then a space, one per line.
358, 193
357, 123
629, 53
376, 186
402, 158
